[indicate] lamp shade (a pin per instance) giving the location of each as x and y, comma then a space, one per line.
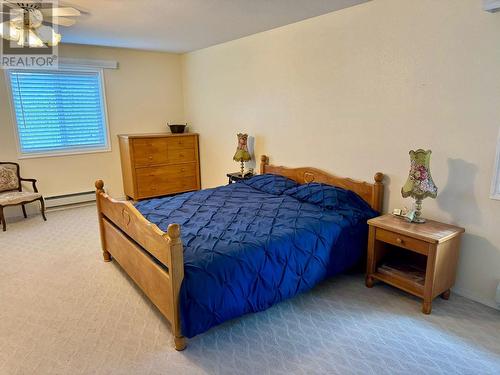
419, 184
242, 153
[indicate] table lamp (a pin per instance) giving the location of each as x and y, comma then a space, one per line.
242, 155
419, 184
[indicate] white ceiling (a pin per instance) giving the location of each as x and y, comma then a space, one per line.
185, 25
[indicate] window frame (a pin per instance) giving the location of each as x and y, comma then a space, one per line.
495, 182
67, 152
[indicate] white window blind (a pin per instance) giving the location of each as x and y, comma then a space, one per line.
59, 111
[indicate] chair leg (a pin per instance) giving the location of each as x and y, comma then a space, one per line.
2, 219
24, 211
42, 205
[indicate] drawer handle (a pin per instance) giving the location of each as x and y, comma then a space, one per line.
400, 241
183, 169
180, 143
181, 155
150, 157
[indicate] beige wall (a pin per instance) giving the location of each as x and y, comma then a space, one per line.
353, 91
142, 95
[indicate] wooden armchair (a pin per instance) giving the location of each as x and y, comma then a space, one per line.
11, 191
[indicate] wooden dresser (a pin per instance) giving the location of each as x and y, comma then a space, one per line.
159, 164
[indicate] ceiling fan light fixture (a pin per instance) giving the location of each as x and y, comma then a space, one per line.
48, 35
35, 18
30, 23
32, 41
9, 32
20, 41
17, 21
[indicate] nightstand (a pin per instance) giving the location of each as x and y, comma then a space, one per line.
235, 177
420, 259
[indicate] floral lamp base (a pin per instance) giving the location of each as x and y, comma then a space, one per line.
242, 169
418, 212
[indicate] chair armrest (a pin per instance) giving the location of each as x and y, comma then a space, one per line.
33, 181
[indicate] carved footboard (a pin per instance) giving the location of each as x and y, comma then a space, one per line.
151, 257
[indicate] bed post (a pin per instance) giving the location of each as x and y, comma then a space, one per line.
378, 192
176, 276
264, 160
99, 185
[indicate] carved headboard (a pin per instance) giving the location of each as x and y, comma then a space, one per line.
372, 193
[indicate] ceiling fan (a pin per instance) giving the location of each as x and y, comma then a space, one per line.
30, 22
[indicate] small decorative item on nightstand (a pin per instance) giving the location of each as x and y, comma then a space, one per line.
242, 155
419, 184
420, 259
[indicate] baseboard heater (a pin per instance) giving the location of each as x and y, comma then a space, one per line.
57, 201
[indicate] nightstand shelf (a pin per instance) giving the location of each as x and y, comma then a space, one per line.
409, 277
420, 259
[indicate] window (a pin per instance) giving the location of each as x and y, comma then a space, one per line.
59, 112
495, 185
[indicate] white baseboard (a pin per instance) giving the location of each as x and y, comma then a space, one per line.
471, 296
70, 199
70, 206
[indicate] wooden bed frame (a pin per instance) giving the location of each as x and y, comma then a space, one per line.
154, 259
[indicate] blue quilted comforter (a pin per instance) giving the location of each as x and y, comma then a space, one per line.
246, 249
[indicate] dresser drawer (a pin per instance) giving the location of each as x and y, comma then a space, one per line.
180, 143
150, 151
166, 173
155, 187
181, 155
400, 240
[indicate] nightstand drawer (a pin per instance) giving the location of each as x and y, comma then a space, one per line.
406, 242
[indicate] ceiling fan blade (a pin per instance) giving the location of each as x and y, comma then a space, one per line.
61, 12
11, 4
14, 11
61, 21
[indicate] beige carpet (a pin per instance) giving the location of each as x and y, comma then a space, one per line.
64, 311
